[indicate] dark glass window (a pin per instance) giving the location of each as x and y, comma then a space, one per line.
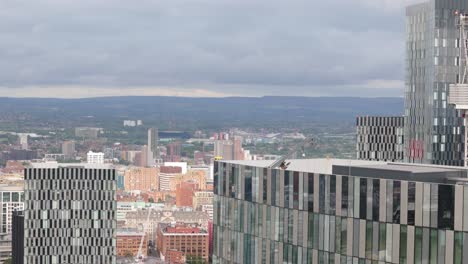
286, 188
273, 186
296, 190
375, 199
445, 205
332, 194
248, 183
322, 194
344, 195
265, 185
310, 192
396, 201
411, 202
363, 198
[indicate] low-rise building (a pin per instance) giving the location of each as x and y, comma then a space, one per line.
128, 243
192, 241
184, 193
141, 179
201, 198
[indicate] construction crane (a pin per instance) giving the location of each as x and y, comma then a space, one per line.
281, 161
140, 256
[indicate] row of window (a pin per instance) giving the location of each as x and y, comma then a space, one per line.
392, 201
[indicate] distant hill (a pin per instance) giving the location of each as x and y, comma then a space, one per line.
185, 113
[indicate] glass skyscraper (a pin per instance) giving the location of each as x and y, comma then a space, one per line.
433, 128
339, 211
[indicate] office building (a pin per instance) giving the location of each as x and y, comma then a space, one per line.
379, 138
153, 150
17, 246
12, 199
68, 149
433, 129
166, 175
95, 157
141, 179
70, 213
224, 149
340, 211
22, 154
192, 241
128, 243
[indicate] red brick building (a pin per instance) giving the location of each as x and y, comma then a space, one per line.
191, 241
185, 192
128, 244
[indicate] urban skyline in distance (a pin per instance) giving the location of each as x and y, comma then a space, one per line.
229, 132
202, 48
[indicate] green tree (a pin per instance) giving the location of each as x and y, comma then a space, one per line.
151, 200
8, 261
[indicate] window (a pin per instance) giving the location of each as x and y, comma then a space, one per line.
344, 195
376, 199
363, 198
446, 207
411, 202
396, 201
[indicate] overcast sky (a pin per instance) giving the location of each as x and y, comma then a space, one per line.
71, 48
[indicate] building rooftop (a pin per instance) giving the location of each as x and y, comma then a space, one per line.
372, 169
56, 165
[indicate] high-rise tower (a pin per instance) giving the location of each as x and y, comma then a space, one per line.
433, 128
70, 213
153, 152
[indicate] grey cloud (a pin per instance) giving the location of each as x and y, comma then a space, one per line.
254, 47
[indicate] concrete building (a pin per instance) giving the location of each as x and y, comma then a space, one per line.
68, 149
184, 193
153, 150
380, 138
224, 149
23, 140
191, 241
70, 213
433, 129
339, 211
166, 174
201, 198
128, 243
12, 199
138, 219
95, 157
141, 179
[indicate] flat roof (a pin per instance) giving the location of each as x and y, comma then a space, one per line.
371, 169
56, 165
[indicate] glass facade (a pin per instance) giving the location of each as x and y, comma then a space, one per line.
433, 129
301, 217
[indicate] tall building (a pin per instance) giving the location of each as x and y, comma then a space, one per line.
153, 151
70, 213
224, 149
379, 138
95, 157
340, 211
433, 128
17, 245
174, 151
12, 199
141, 179
191, 241
23, 140
68, 149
